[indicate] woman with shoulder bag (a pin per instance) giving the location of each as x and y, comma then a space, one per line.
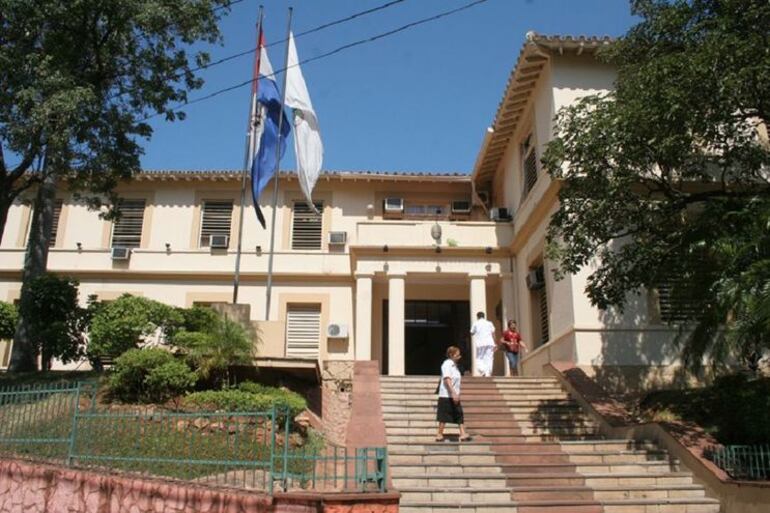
449, 409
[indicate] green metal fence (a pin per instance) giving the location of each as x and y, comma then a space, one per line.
742, 461
255, 450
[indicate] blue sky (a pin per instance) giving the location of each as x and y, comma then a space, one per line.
416, 101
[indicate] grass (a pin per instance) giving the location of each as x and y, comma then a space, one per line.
735, 409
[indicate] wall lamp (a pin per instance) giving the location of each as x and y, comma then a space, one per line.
385, 248
79, 245
488, 250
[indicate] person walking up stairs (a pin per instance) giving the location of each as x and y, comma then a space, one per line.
533, 451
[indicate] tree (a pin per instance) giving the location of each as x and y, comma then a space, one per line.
667, 176
212, 352
78, 79
125, 323
52, 308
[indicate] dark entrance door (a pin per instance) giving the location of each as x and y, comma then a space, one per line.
431, 327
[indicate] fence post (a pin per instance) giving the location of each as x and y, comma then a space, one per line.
273, 427
382, 468
74, 430
286, 452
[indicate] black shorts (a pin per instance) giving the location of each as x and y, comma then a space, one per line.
448, 411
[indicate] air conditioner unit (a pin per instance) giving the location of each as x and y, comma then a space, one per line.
219, 241
393, 205
337, 331
535, 279
461, 207
338, 238
119, 253
500, 214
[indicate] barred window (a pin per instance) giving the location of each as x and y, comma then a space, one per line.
57, 206
303, 330
127, 230
307, 226
529, 165
216, 219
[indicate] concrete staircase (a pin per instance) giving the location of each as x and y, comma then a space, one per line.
534, 451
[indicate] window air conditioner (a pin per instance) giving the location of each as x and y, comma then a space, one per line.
535, 279
461, 207
337, 331
393, 205
338, 238
219, 241
500, 214
119, 253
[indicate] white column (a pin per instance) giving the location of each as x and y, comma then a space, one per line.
506, 286
363, 316
396, 324
478, 304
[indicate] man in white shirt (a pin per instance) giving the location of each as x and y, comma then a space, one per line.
483, 333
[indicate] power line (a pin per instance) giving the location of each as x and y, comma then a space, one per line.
332, 52
298, 35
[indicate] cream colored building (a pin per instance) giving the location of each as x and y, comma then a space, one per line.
372, 277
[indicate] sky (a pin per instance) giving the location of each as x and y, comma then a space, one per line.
416, 101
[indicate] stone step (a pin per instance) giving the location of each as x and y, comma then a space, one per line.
534, 469
465, 480
606, 492
484, 423
469, 389
496, 431
635, 506
613, 479
469, 379
508, 457
569, 447
460, 495
503, 440
429, 402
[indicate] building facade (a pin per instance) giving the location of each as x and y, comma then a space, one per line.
396, 265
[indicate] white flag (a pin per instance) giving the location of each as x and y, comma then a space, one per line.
307, 138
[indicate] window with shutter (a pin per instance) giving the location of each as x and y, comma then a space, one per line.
216, 219
307, 226
127, 230
529, 166
303, 330
57, 206
678, 300
544, 331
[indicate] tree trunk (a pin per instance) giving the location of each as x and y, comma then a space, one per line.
25, 348
5, 206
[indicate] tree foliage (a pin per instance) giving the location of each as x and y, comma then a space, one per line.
125, 323
78, 79
8, 318
222, 344
667, 176
55, 318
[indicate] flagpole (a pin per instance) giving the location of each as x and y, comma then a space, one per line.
248, 156
276, 176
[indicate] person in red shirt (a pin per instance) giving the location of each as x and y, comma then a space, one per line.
512, 345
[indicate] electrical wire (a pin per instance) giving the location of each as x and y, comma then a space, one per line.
328, 54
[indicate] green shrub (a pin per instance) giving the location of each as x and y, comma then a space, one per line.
147, 375
241, 400
120, 325
198, 318
213, 352
742, 403
8, 319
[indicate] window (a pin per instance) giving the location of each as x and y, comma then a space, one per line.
127, 230
539, 306
677, 300
57, 206
424, 210
529, 165
216, 219
303, 330
307, 226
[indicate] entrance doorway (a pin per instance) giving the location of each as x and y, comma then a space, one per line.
429, 328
